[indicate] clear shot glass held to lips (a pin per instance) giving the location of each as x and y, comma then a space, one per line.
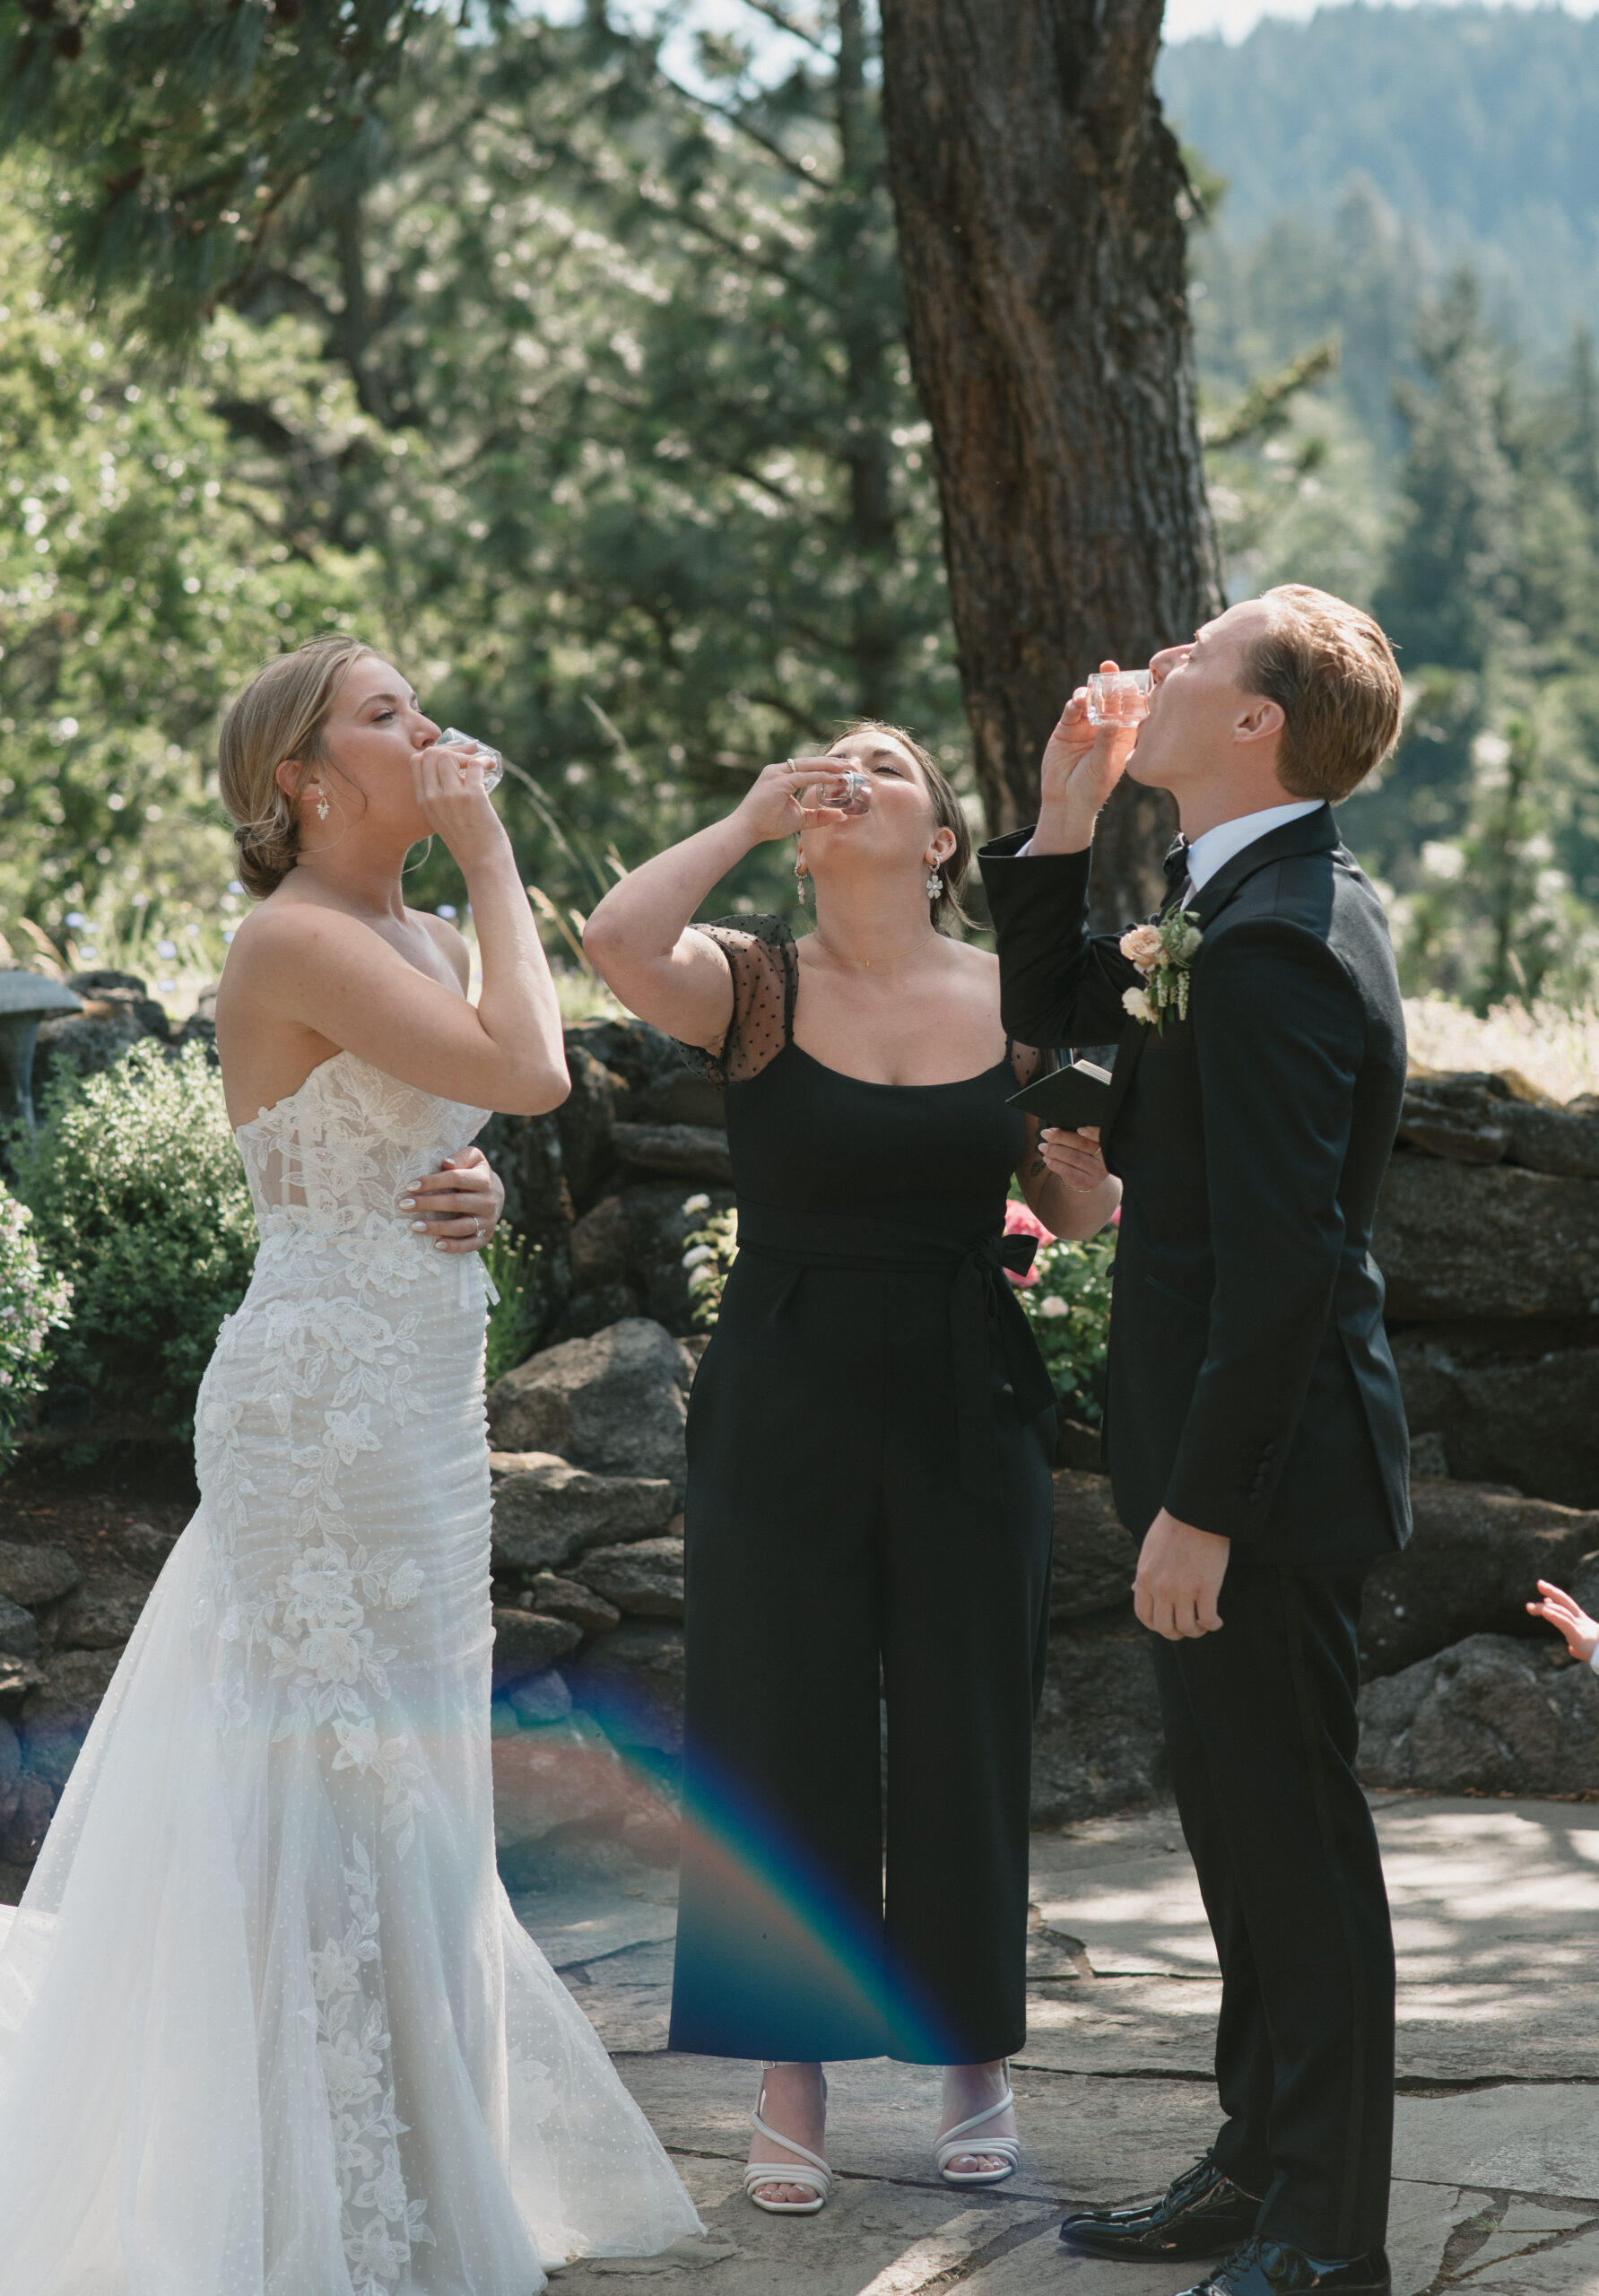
453, 738
846, 790
1118, 697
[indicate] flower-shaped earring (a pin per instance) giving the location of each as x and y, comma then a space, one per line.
934, 883
322, 806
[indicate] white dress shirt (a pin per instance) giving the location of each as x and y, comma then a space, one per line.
1213, 849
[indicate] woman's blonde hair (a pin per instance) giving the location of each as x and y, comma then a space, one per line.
281, 714
948, 813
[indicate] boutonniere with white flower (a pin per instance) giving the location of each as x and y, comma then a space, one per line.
1164, 954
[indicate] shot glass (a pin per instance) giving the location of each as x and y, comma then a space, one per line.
453, 738
847, 792
1118, 697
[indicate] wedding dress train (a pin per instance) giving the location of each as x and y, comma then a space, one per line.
268, 2026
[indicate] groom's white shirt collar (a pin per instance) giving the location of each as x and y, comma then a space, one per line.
1214, 848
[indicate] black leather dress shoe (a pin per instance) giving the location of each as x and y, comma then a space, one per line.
1270, 2268
1204, 2214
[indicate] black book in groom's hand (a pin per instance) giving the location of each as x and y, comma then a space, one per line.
1067, 1098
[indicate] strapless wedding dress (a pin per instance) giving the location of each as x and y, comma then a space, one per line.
268, 2026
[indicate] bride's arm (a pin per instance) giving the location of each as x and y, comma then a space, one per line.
640, 937
321, 971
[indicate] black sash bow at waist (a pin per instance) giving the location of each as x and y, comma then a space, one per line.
980, 1303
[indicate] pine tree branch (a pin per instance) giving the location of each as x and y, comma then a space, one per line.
785, 23
1263, 407
803, 718
812, 177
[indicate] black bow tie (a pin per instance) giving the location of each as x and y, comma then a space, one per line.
1175, 865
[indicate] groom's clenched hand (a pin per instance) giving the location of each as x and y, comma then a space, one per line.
1180, 1571
1082, 764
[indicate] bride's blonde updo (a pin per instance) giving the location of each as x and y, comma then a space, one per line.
281, 714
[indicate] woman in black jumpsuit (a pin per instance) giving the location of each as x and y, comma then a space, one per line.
870, 1443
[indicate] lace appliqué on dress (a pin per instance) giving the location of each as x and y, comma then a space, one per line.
337, 1377
379, 2223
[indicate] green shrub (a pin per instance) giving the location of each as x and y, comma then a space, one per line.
1067, 1302
709, 1254
33, 1302
139, 1200
511, 1265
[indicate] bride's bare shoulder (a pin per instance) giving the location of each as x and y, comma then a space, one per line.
291, 915
447, 941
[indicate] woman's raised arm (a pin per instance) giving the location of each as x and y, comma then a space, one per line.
310, 963
640, 937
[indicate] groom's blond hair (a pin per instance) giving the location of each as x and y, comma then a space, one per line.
1330, 668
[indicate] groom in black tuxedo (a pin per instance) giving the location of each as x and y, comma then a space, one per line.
1254, 1432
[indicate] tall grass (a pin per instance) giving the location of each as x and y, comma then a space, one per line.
1555, 1049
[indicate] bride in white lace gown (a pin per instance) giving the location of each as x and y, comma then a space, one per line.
268, 2026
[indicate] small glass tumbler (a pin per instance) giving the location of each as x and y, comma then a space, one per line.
849, 792
1118, 697
453, 738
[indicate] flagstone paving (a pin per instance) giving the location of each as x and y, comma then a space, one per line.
1496, 1907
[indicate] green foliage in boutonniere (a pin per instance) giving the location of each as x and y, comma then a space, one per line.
1164, 954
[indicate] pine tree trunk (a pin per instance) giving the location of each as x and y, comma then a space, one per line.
1041, 203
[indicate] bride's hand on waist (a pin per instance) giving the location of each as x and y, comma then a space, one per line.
459, 1204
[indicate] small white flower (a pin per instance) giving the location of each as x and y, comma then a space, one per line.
698, 1255
404, 1585
334, 1969
696, 1204
1054, 1305
358, 1745
332, 1655
1136, 1002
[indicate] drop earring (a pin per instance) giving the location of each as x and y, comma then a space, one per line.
802, 878
934, 884
322, 806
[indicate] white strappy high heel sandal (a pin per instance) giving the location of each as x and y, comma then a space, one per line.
809, 2170
958, 2140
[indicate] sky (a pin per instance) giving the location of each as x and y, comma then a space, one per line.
1233, 19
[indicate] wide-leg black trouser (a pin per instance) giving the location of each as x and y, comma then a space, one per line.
833, 1561
1262, 1730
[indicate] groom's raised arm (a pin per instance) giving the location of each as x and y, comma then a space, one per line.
1058, 983
1279, 1033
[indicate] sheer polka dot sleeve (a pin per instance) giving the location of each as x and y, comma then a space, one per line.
1027, 1062
760, 956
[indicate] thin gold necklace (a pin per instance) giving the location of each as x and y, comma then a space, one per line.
869, 964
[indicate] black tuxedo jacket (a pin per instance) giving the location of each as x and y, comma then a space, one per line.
1251, 1387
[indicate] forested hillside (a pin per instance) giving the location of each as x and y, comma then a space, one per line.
585, 390
1479, 127
1403, 204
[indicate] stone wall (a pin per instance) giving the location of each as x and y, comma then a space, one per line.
1489, 1235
